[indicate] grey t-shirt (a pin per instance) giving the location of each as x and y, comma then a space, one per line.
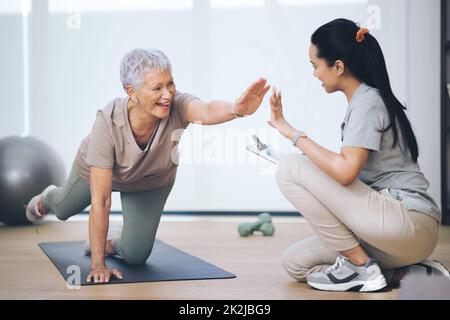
386, 167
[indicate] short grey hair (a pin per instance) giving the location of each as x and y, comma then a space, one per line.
138, 61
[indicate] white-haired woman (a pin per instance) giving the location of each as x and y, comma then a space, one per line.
130, 150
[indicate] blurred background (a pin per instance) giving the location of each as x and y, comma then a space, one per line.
59, 63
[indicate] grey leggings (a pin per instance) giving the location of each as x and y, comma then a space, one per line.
141, 214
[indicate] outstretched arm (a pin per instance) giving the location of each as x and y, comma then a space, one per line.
216, 111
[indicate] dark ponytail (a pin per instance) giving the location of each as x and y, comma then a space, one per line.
336, 40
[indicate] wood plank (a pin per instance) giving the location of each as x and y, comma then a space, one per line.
26, 273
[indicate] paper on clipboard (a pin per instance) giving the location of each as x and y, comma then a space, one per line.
264, 151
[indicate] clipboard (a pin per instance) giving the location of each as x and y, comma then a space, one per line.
263, 150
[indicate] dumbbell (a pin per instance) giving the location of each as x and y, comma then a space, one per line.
263, 224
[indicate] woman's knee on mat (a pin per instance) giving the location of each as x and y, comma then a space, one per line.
134, 256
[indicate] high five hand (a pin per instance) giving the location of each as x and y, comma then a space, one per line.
251, 99
277, 119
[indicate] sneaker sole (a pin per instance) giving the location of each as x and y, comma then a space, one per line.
437, 265
362, 286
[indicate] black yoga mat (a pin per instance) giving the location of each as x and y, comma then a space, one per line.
166, 263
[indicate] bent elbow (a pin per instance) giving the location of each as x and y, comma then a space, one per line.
346, 180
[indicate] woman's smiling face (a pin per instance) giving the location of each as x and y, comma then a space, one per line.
156, 93
322, 71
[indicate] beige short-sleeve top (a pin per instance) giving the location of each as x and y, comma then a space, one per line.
111, 145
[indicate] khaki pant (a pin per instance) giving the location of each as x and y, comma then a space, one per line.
344, 216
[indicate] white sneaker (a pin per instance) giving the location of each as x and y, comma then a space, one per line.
114, 232
32, 212
344, 275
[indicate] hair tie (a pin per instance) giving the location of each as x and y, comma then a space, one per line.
361, 34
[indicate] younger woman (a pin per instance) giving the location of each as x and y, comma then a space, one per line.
368, 204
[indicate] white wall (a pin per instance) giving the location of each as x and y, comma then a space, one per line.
216, 52
11, 75
423, 80
410, 39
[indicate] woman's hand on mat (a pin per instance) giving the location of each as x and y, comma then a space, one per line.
277, 119
103, 274
252, 98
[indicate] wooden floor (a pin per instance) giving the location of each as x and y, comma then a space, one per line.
26, 272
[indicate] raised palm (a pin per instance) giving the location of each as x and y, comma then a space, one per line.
277, 119
252, 98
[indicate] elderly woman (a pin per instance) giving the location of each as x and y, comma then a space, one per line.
130, 150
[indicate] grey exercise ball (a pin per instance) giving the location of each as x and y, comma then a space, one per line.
27, 166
